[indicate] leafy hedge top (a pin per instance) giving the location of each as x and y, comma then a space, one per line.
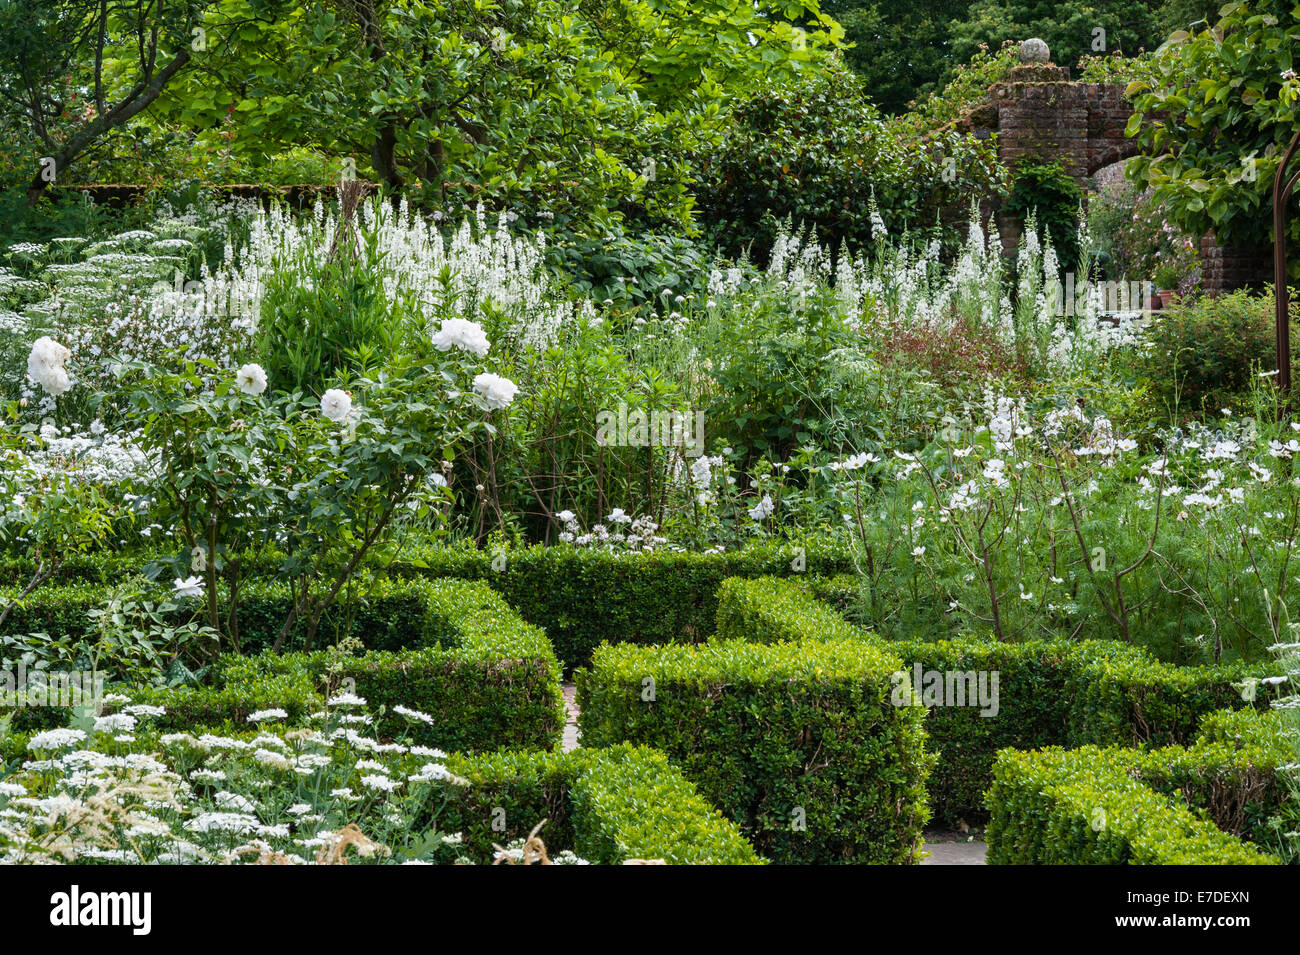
1084, 806
618, 803
740, 661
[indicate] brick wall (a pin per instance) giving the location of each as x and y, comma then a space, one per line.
1225, 269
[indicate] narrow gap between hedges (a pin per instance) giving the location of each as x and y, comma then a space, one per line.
570, 740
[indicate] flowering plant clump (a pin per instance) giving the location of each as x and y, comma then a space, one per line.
324, 793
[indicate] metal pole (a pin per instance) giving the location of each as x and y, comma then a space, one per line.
1282, 315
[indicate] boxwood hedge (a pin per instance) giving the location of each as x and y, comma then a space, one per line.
489, 681
1085, 807
580, 597
1050, 692
608, 806
797, 743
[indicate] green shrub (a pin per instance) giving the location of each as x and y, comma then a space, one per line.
799, 744
606, 805
227, 705
815, 150
1049, 692
1048, 192
1230, 775
488, 679
580, 597
1203, 354
501, 688
1084, 807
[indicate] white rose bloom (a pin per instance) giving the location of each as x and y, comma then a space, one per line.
189, 587
47, 353
335, 404
463, 334
55, 381
498, 392
45, 366
251, 379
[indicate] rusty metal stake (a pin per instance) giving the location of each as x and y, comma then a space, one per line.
1282, 316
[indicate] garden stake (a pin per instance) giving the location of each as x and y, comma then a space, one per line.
1280, 293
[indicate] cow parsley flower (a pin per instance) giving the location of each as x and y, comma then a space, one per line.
262, 716
56, 739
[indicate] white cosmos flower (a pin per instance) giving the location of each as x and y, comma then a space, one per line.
251, 379
189, 587
463, 334
496, 391
335, 404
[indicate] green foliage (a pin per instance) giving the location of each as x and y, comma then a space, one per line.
572, 116
1084, 807
799, 744
815, 151
607, 805
1204, 355
1070, 27
74, 73
1215, 120
486, 678
630, 271
964, 88
321, 319
899, 50
1049, 692
1053, 197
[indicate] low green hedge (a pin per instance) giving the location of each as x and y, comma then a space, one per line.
1084, 807
384, 614
797, 743
492, 682
580, 597
1230, 775
1050, 692
607, 805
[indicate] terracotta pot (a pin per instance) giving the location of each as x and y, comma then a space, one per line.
1166, 296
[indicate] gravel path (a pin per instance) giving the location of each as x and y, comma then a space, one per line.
570, 740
